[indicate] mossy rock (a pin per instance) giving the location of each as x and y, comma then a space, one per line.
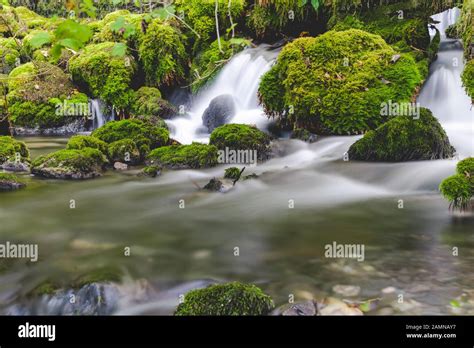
152, 171
226, 299
37, 92
192, 156
70, 164
17, 21
404, 138
125, 151
12, 149
145, 135
468, 78
79, 142
457, 190
130, 31
336, 82
10, 182
163, 54
149, 104
9, 51
101, 275
105, 75
240, 137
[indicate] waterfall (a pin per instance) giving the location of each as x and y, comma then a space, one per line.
445, 19
100, 113
240, 78
443, 92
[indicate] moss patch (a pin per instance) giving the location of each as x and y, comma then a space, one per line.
226, 299
192, 156
79, 142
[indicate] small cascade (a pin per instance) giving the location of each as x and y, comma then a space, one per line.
101, 113
240, 78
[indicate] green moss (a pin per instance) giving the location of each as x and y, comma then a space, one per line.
45, 288
144, 134
404, 138
468, 78
10, 54
70, 164
130, 30
457, 190
163, 55
241, 137
149, 103
79, 142
336, 82
151, 171
226, 299
101, 275
9, 148
232, 173
466, 167
452, 31
104, 74
8, 179
125, 151
36, 93
192, 156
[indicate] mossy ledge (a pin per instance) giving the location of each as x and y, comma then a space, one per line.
234, 299
192, 156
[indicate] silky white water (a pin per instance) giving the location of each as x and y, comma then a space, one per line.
240, 78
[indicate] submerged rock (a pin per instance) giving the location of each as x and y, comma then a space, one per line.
120, 166
220, 111
219, 185
304, 135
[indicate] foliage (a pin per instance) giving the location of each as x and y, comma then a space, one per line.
404, 138
192, 156
457, 190
232, 173
336, 82
226, 299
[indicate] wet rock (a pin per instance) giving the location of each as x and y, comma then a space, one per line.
9, 182
219, 185
77, 126
14, 166
120, 166
308, 308
346, 290
395, 58
332, 306
304, 135
220, 111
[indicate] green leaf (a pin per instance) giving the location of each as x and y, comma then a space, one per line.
164, 13
70, 29
73, 44
315, 4
119, 50
87, 7
40, 39
240, 42
455, 303
118, 24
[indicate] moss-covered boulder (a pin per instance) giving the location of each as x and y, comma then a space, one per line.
104, 74
404, 138
226, 299
145, 135
10, 182
119, 26
241, 137
37, 94
79, 142
10, 53
458, 189
70, 164
335, 83
192, 156
149, 104
17, 21
151, 171
163, 54
14, 155
468, 78
124, 151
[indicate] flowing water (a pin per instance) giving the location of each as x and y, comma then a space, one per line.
100, 113
408, 250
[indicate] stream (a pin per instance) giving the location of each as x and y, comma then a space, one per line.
408, 250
